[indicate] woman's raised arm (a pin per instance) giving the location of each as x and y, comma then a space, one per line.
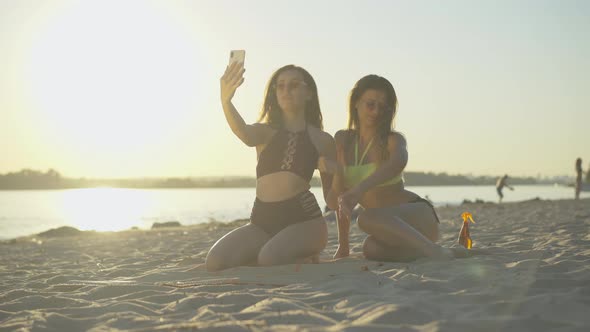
251, 135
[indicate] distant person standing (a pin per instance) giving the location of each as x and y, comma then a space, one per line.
500, 184
578, 177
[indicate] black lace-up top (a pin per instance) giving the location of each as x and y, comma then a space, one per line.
291, 152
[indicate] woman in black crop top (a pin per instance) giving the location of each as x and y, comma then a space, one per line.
286, 224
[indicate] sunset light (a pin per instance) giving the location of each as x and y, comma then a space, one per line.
294, 165
104, 209
99, 81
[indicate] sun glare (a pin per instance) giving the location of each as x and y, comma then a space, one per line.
111, 78
105, 209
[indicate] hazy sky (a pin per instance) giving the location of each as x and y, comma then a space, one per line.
131, 88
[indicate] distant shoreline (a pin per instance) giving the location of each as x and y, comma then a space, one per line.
238, 187
28, 179
67, 230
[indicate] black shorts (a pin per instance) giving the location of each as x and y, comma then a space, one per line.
273, 217
420, 199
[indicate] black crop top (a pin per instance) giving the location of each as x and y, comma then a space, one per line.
288, 151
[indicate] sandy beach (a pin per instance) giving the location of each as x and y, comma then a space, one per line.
535, 278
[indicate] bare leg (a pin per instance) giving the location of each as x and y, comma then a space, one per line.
295, 243
236, 248
411, 228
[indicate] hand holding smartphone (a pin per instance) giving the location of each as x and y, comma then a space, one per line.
237, 56
233, 76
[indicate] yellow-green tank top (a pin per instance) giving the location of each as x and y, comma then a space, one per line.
356, 173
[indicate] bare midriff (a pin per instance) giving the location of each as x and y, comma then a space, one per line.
280, 186
386, 196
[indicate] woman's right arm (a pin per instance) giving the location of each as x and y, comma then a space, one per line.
251, 135
343, 236
343, 221
338, 187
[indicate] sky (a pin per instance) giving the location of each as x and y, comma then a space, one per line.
131, 88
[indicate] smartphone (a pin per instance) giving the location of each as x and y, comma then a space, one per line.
237, 56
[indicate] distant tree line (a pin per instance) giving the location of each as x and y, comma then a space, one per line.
51, 179
444, 179
31, 179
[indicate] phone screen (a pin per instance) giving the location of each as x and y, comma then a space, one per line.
237, 56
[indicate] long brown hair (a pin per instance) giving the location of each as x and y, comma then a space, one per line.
385, 128
271, 111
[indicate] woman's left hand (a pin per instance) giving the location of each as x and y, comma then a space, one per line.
347, 201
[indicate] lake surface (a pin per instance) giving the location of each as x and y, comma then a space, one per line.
25, 212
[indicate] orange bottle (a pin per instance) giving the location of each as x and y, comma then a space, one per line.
464, 237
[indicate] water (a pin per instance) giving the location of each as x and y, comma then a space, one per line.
108, 209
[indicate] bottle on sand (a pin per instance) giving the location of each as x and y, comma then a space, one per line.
464, 237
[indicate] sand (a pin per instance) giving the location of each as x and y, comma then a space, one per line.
535, 278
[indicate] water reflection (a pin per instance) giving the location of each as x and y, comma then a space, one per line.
105, 209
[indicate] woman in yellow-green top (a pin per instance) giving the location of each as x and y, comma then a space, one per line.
371, 158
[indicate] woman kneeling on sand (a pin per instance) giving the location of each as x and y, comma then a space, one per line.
371, 157
286, 224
